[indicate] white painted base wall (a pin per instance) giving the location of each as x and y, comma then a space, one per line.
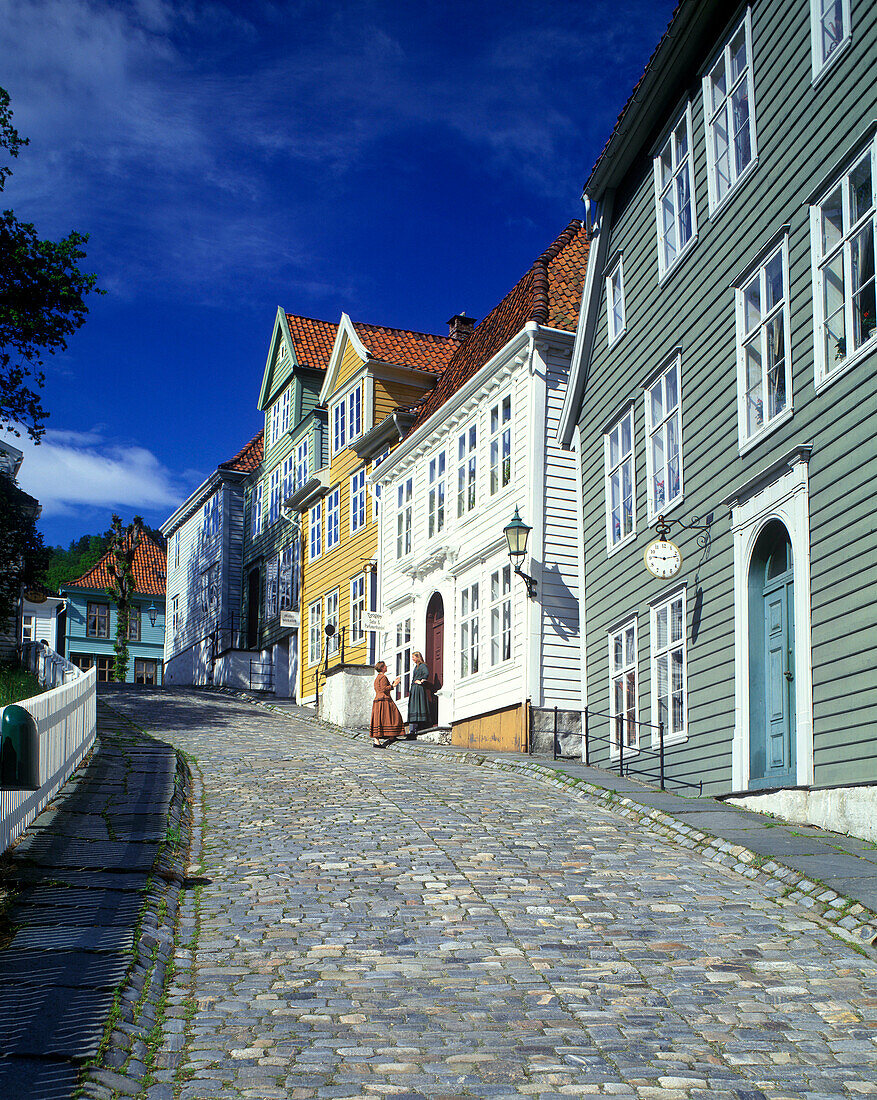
347, 697
848, 810
232, 669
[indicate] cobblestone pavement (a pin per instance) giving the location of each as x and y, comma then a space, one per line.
392, 924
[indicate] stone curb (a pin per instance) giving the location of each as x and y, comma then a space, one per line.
135, 1022
852, 921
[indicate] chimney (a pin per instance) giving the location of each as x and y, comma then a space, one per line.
460, 326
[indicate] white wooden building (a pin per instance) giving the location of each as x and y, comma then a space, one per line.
482, 444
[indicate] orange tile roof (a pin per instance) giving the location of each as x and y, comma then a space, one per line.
313, 340
421, 350
248, 458
550, 293
149, 568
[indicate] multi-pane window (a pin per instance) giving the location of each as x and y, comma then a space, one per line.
27, 628
664, 434
830, 29
620, 481
764, 379
287, 480
104, 667
357, 609
175, 615
176, 550
501, 615
278, 417
286, 599
668, 667
272, 578
469, 640
256, 510
674, 195
357, 501
402, 662
436, 483
404, 503
843, 226
315, 530
301, 464
467, 466
98, 621
376, 488
333, 519
500, 445
333, 639
315, 631
134, 624
729, 114
274, 486
615, 300
145, 671
623, 728
210, 517
347, 420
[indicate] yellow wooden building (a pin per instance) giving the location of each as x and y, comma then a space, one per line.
375, 376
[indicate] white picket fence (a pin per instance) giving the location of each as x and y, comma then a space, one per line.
66, 719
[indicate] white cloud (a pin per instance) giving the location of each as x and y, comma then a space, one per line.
71, 469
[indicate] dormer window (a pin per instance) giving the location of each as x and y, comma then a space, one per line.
277, 418
346, 420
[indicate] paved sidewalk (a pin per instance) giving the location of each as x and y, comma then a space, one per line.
79, 885
405, 924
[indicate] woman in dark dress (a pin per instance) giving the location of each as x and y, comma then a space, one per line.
419, 716
386, 721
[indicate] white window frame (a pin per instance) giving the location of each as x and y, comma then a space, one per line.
500, 615
470, 630
404, 516
500, 445
616, 317
28, 629
333, 518
841, 248
285, 584
315, 632
272, 587
301, 463
256, 510
315, 531
332, 614
652, 431
287, 479
671, 736
338, 418
278, 417
175, 615
665, 266
377, 488
436, 495
617, 470
358, 513
346, 418
358, 598
135, 623
620, 672
402, 658
354, 414
712, 114
176, 550
467, 469
822, 63
274, 486
758, 333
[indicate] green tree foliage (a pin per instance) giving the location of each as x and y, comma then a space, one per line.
42, 300
81, 555
123, 546
22, 553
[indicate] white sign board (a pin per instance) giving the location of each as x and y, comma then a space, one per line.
289, 618
373, 620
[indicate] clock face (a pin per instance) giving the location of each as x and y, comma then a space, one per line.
663, 559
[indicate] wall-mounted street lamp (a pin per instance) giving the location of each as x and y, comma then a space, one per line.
516, 534
152, 612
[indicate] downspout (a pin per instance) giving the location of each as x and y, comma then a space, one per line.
531, 680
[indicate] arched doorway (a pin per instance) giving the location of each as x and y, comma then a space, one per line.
435, 646
772, 733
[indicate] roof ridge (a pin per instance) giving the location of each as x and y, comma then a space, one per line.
408, 331
316, 320
539, 270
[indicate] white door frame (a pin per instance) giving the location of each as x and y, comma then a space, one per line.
779, 492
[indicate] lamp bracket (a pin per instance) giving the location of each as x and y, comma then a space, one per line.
531, 584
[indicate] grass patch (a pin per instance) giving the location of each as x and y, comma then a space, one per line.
16, 684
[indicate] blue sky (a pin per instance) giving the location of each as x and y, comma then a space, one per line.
398, 161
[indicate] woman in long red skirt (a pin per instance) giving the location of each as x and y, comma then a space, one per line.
386, 721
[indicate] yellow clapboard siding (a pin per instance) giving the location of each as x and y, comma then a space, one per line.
350, 364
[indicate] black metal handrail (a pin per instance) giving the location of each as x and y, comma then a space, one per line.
639, 751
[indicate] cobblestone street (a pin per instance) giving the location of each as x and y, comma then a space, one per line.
399, 924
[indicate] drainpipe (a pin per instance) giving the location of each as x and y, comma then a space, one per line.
531, 680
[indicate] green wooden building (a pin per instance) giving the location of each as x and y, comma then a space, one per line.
725, 370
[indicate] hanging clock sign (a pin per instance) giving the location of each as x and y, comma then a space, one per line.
663, 559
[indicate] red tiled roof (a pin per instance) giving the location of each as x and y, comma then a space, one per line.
550, 294
313, 340
248, 458
149, 569
421, 350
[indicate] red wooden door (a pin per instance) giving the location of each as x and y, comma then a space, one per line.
435, 646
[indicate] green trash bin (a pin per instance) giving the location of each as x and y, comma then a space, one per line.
19, 750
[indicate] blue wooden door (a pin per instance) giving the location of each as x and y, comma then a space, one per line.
772, 730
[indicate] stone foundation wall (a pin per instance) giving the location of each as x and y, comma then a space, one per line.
569, 732
849, 810
346, 695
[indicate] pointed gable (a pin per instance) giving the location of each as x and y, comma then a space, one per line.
549, 293
149, 570
295, 341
